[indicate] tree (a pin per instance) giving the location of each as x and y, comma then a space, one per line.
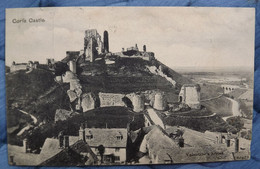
101, 150
236, 122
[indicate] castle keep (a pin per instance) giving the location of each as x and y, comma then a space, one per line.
93, 46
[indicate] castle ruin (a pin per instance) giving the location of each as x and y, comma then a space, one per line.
159, 101
93, 46
138, 103
190, 95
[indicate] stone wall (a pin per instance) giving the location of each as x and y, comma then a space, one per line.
88, 102
111, 99
190, 95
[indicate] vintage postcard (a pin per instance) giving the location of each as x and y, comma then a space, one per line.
129, 85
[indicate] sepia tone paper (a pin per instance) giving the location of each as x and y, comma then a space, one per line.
129, 85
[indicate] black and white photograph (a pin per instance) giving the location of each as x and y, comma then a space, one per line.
129, 85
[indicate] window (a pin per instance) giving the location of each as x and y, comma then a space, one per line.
117, 158
119, 137
88, 137
117, 149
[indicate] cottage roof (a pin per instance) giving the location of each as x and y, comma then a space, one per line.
157, 140
165, 149
108, 137
21, 158
72, 156
194, 138
51, 147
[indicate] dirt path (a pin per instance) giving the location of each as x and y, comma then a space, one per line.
33, 117
235, 109
28, 125
212, 98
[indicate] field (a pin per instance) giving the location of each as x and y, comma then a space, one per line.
210, 91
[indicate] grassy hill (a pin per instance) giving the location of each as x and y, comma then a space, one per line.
130, 75
221, 106
35, 92
210, 91
27, 87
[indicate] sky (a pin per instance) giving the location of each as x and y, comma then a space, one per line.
179, 36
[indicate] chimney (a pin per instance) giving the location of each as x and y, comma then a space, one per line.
82, 132
236, 145
181, 142
144, 48
11, 162
128, 127
25, 145
61, 138
66, 141
221, 138
228, 142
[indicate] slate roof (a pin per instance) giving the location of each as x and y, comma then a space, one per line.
51, 147
165, 149
72, 156
107, 137
21, 158
194, 138
157, 140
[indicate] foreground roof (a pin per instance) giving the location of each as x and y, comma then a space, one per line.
106, 137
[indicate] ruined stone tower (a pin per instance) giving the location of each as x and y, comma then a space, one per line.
92, 44
106, 42
190, 95
72, 66
159, 101
138, 103
144, 48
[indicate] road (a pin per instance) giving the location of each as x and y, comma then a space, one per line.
33, 117
212, 98
235, 109
28, 125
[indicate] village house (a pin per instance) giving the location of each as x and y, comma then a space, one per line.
160, 147
66, 151
113, 141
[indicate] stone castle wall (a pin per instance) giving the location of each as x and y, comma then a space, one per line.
190, 95
111, 99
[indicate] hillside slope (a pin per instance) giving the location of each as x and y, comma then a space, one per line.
35, 92
130, 75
